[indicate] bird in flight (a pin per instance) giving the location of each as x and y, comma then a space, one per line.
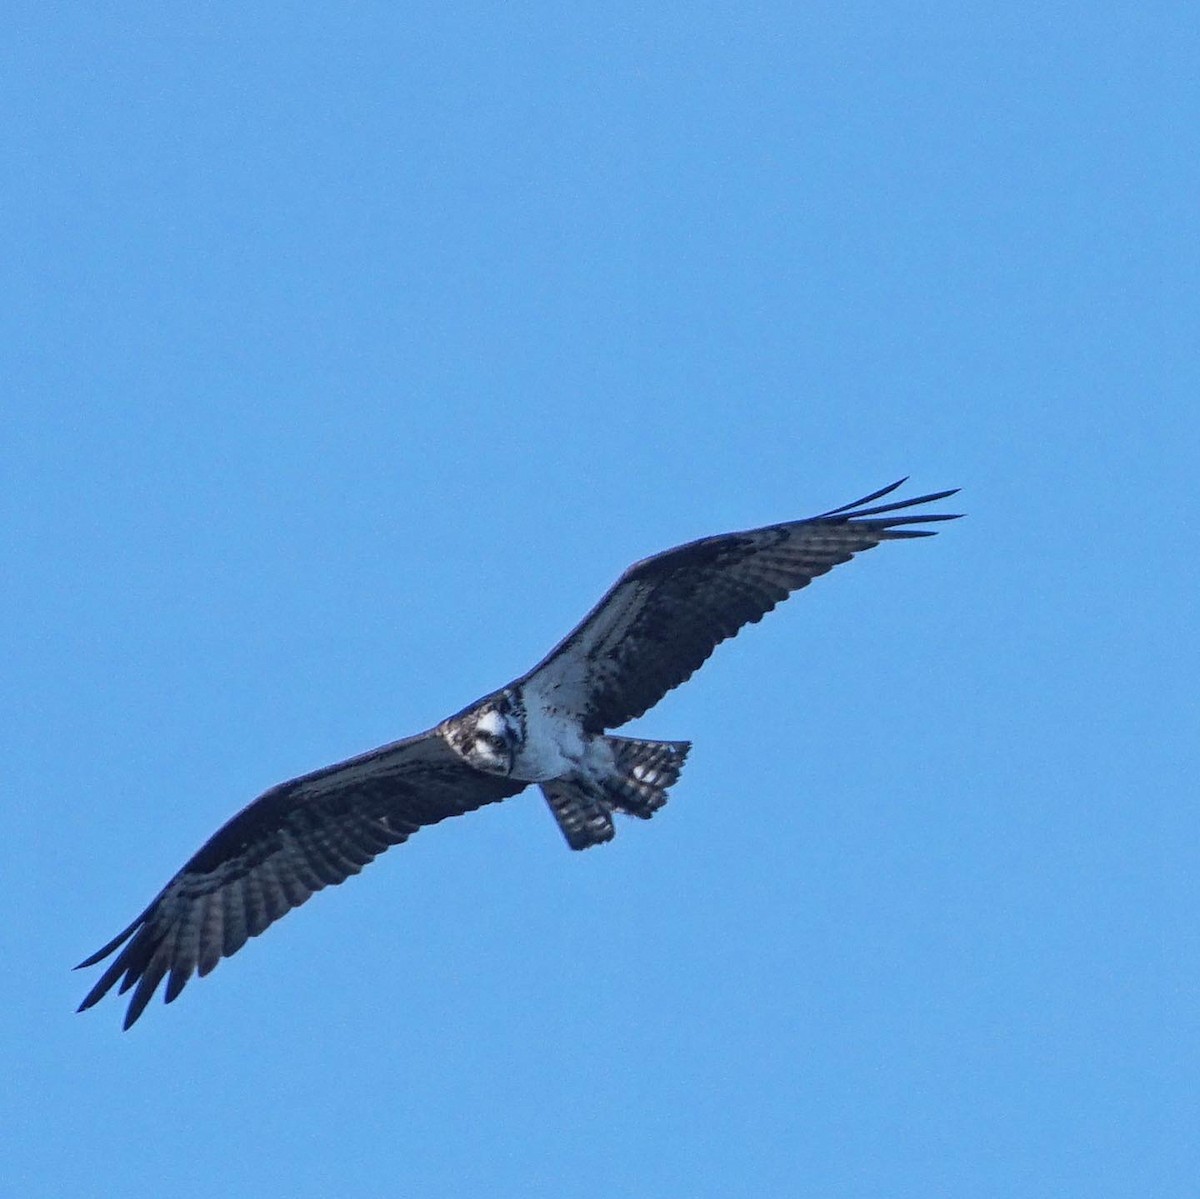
651, 631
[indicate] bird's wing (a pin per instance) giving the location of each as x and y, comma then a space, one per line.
665, 615
312, 832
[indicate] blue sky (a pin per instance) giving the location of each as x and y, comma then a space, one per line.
350, 354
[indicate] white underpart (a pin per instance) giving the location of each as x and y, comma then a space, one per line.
555, 745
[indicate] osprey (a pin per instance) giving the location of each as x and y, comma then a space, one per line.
656, 625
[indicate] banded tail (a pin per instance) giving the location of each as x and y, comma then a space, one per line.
643, 771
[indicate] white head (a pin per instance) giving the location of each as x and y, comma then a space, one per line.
491, 745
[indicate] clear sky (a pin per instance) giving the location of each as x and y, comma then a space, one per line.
351, 351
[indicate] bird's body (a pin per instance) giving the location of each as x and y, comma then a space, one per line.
649, 633
541, 742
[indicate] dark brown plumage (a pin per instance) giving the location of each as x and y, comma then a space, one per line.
650, 632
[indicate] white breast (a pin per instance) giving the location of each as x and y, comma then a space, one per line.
554, 745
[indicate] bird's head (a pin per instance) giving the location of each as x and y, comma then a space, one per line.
491, 740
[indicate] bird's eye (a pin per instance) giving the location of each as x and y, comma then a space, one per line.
491, 740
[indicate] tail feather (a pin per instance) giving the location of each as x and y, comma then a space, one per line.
585, 819
643, 771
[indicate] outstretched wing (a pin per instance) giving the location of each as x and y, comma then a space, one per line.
665, 615
312, 832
